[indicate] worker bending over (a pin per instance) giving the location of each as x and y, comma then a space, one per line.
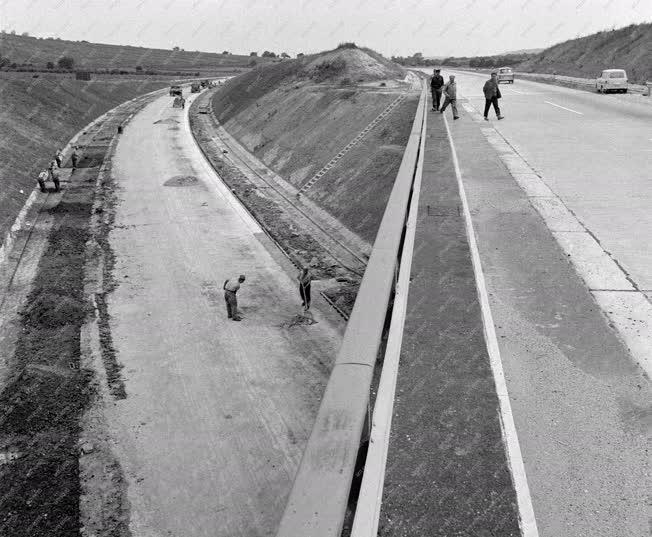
231, 287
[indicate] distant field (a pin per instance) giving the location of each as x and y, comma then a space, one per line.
39, 115
31, 50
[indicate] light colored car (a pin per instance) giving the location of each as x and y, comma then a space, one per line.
612, 80
505, 74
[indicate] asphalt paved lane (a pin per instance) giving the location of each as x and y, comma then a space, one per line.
594, 151
217, 412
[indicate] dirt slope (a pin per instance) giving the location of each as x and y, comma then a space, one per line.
627, 48
36, 51
296, 116
40, 116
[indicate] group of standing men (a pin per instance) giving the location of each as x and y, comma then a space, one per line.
52, 171
449, 91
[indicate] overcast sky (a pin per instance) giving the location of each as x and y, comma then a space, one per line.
434, 27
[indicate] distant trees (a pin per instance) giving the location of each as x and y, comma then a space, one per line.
25, 34
285, 55
225, 53
139, 68
66, 62
176, 49
253, 54
268, 54
300, 55
49, 65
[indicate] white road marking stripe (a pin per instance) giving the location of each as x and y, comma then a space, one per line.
515, 458
564, 108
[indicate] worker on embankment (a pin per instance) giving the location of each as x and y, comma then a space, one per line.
54, 175
436, 84
58, 157
304, 279
231, 287
42, 177
74, 158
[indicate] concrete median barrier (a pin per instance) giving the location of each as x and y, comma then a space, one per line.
318, 500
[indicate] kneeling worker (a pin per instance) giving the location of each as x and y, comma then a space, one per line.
231, 287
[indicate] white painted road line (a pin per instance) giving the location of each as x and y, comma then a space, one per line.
564, 108
514, 456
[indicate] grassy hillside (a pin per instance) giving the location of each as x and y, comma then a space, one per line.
626, 48
297, 115
39, 116
37, 51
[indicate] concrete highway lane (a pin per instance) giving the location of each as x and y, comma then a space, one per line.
217, 412
580, 398
594, 151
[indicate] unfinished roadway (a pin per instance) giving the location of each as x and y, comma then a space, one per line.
216, 412
206, 419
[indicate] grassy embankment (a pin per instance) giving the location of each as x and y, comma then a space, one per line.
626, 48
585, 57
295, 117
39, 116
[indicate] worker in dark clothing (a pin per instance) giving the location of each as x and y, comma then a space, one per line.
304, 279
54, 175
491, 95
231, 287
436, 84
74, 158
58, 156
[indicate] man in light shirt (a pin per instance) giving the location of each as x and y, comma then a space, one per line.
231, 287
42, 177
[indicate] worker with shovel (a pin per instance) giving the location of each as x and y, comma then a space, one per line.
231, 287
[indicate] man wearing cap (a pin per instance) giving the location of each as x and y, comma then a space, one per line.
436, 83
491, 95
231, 287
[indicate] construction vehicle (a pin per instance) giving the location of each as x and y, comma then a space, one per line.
176, 90
179, 102
195, 87
205, 83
